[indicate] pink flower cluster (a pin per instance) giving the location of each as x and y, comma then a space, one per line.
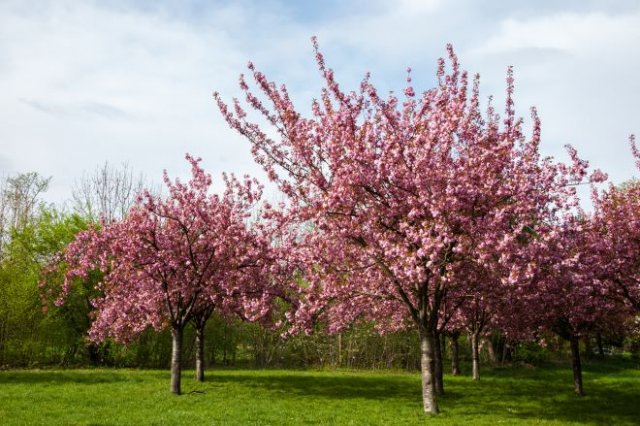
173, 257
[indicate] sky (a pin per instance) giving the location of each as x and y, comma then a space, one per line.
84, 82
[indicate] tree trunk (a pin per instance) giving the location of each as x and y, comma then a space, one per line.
427, 364
200, 352
225, 360
507, 351
587, 347
2, 340
96, 357
176, 358
438, 369
199, 321
599, 343
455, 355
475, 356
577, 366
491, 350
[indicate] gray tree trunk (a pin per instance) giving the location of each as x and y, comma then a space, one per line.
427, 364
438, 369
176, 358
576, 366
200, 353
455, 355
491, 350
475, 356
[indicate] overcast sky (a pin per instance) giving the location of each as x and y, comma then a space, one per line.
86, 82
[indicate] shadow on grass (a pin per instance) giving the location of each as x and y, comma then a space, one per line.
612, 389
511, 394
527, 399
324, 384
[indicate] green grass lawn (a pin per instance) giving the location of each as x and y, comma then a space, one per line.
517, 395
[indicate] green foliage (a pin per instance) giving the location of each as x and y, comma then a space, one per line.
28, 335
531, 353
240, 397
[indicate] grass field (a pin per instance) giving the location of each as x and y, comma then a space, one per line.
522, 395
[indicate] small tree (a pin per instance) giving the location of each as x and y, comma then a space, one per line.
107, 193
172, 260
567, 295
31, 247
20, 203
617, 224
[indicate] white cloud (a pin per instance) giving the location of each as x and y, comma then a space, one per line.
83, 82
581, 71
571, 32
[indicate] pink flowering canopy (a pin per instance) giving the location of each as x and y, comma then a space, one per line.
401, 197
568, 294
171, 257
617, 222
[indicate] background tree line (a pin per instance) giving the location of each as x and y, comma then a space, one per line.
36, 333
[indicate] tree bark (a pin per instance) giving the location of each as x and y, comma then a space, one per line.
199, 321
200, 352
599, 343
587, 347
93, 350
427, 364
176, 358
455, 355
1, 341
438, 369
491, 350
507, 351
475, 356
576, 365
